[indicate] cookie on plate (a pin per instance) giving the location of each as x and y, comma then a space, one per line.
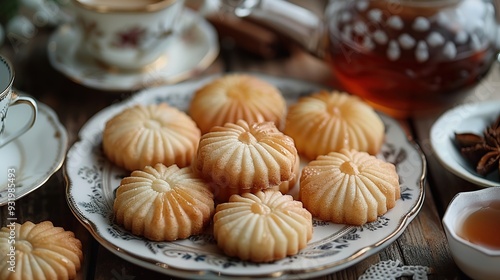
330, 121
241, 157
349, 187
163, 203
237, 96
145, 135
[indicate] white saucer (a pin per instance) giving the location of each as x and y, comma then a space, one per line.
33, 157
195, 51
474, 118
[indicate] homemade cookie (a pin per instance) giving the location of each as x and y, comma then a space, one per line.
39, 251
163, 203
330, 121
262, 227
237, 96
349, 187
239, 157
149, 134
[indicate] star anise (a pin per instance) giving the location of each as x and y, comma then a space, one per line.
483, 151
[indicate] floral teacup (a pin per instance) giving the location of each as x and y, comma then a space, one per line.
128, 34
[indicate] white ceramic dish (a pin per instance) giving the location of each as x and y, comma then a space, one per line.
36, 155
474, 118
195, 50
92, 181
477, 262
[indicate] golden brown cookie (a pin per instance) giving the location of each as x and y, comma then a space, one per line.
349, 187
163, 203
149, 134
38, 251
330, 121
262, 227
237, 96
238, 158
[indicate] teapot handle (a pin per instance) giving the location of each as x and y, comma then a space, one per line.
496, 4
297, 23
497, 8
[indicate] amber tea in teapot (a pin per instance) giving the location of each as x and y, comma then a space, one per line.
408, 56
402, 56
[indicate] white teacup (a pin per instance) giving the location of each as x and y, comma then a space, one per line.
9, 98
128, 34
478, 261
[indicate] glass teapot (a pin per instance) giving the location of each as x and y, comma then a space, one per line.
401, 56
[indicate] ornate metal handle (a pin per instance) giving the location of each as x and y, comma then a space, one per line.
19, 100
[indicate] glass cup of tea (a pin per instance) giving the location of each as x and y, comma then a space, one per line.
9, 98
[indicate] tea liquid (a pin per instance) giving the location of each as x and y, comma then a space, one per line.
482, 226
406, 59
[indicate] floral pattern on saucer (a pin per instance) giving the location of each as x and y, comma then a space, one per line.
194, 50
93, 181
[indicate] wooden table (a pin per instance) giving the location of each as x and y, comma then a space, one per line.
422, 243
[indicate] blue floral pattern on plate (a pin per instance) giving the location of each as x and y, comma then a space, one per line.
92, 181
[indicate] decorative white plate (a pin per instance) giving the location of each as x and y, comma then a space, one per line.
92, 181
35, 155
474, 118
195, 50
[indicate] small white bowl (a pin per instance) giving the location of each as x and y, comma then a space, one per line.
470, 117
474, 260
